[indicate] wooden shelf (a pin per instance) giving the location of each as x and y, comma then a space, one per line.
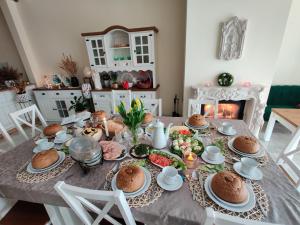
127, 47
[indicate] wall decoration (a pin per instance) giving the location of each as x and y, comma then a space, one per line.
232, 38
225, 79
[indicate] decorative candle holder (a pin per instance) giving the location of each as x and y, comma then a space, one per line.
190, 159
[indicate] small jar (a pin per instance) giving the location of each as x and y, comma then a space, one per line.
190, 159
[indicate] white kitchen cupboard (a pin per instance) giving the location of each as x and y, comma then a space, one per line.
118, 48
103, 99
55, 104
8, 105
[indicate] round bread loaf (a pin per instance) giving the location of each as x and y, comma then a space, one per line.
114, 126
229, 187
52, 129
101, 114
148, 117
44, 159
246, 144
197, 120
130, 178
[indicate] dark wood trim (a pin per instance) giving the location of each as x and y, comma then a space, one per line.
104, 89
120, 28
61, 89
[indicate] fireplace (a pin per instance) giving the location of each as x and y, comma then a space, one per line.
251, 98
226, 109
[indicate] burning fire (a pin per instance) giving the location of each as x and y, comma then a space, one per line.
225, 111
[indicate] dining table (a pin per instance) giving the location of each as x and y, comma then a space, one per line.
172, 208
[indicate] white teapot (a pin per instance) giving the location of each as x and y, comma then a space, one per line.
159, 137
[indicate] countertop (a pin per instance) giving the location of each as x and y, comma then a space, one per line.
102, 90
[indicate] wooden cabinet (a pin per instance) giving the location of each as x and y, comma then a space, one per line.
103, 100
143, 48
118, 48
54, 104
8, 105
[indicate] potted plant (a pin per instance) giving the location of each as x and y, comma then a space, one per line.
114, 77
21, 95
68, 65
106, 79
132, 118
9, 76
79, 104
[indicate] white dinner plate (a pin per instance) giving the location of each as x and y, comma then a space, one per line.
260, 153
61, 141
173, 187
138, 192
255, 175
61, 158
37, 148
220, 129
250, 204
186, 123
220, 160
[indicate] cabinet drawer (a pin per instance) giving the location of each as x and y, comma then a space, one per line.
144, 95
101, 95
44, 94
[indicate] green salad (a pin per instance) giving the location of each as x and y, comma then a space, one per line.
188, 144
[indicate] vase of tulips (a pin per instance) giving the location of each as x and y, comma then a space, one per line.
133, 117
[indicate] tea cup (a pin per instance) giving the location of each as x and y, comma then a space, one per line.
80, 123
213, 152
227, 127
42, 143
61, 135
248, 165
169, 175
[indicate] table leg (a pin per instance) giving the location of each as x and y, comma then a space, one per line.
292, 145
270, 127
62, 215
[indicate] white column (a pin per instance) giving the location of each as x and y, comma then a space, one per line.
20, 37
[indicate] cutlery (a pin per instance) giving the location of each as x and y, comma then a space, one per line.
116, 167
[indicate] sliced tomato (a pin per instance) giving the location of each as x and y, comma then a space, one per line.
160, 160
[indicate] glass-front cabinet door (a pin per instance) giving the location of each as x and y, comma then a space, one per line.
142, 44
96, 51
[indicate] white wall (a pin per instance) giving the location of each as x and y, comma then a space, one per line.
8, 50
288, 67
266, 26
54, 27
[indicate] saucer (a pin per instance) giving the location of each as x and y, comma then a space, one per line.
256, 175
37, 148
168, 187
220, 160
220, 129
61, 141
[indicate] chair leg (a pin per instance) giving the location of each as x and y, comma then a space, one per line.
270, 127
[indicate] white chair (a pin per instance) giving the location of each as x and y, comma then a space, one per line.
76, 198
195, 106
216, 218
7, 136
21, 117
286, 162
118, 96
153, 105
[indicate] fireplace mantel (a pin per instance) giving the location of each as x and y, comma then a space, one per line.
254, 110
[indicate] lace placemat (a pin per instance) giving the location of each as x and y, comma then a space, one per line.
257, 213
147, 198
229, 155
26, 177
